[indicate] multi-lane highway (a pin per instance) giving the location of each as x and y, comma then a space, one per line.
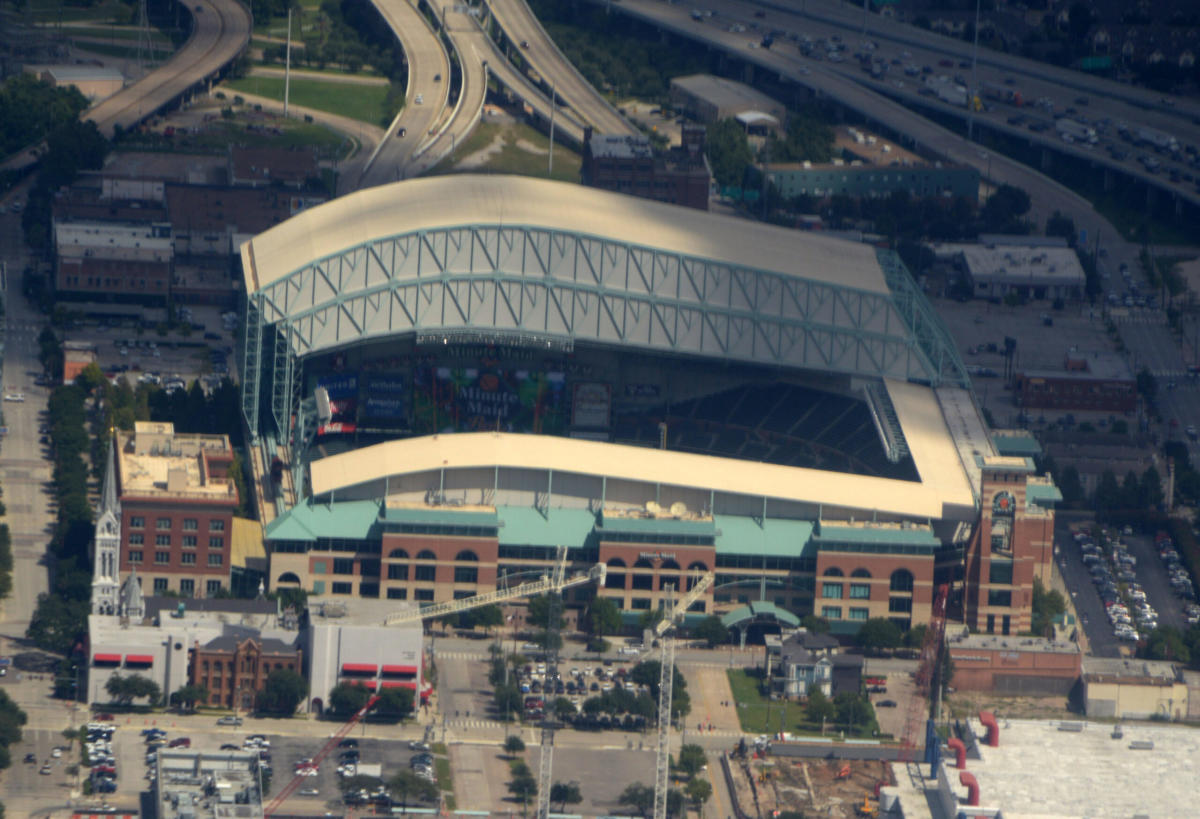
537, 49
426, 94
831, 38
220, 32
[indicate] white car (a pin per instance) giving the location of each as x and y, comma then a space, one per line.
419, 99
14, 396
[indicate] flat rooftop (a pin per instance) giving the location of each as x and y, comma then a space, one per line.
206, 785
998, 642
1099, 364
1016, 263
155, 460
1040, 772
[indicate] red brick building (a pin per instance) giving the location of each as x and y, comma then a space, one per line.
628, 164
1013, 665
177, 500
1100, 382
234, 668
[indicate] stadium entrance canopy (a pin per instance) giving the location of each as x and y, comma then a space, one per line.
522, 261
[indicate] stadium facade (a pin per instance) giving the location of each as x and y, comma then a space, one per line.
461, 380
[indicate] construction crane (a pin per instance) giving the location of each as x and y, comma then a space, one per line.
326, 749
666, 681
555, 582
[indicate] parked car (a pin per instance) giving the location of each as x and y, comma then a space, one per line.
229, 721
180, 742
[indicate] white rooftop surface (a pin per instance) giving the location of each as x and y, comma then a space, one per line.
1018, 263
966, 430
465, 199
1040, 772
943, 492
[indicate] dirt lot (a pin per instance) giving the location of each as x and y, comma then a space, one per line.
814, 787
970, 703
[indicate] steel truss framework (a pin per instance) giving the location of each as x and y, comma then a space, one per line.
532, 283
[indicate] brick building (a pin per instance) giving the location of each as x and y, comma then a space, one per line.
629, 164
176, 501
1096, 381
234, 666
1013, 665
1012, 545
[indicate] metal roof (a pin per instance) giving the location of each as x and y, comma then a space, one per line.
309, 521
772, 537
760, 608
867, 534
526, 526
1042, 493
654, 525
439, 516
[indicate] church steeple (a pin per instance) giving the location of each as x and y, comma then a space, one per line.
107, 543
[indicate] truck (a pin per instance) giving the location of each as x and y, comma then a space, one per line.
1002, 93
1158, 140
948, 91
1072, 131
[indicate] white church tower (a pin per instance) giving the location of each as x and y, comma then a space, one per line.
105, 580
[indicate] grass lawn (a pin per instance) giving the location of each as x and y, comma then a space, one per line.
129, 52
219, 135
755, 712
1128, 220
361, 102
157, 38
513, 158
51, 11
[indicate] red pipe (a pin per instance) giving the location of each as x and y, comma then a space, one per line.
960, 752
993, 735
968, 781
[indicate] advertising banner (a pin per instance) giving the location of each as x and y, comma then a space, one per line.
340, 386
449, 399
591, 405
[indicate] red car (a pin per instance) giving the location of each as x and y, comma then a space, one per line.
181, 742
104, 717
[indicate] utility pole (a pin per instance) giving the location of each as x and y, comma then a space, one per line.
974, 90
287, 65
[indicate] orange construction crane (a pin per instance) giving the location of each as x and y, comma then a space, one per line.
328, 747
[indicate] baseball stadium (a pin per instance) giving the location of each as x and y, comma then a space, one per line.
461, 382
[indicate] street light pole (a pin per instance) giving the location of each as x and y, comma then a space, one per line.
974, 90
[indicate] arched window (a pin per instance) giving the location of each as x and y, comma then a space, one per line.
288, 577
467, 555
697, 566
425, 554
860, 572
616, 563
397, 554
834, 571
669, 565
902, 580
643, 563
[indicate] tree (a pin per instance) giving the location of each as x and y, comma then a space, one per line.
393, 705
347, 699
1046, 606
1147, 384
1152, 489
282, 693
565, 793
818, 709
489, 617
1070, 485
1167, 643
647, 673
915, 636
698, 790
523, 785
854, 711
879, 633
406, 785
814, 624
1107, 497
602, 616
513, 745
124, 690
187, 697
691, 760
728, 152
1004, 208
564, 708
650, 618
545, 611
1060, 225
638, 797
507, 699
711, 630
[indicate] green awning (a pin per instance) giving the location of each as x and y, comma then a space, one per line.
526, 526
308, 521
656, 526
773, 537
760, 610
439, 516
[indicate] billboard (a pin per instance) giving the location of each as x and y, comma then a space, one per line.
591, 405
384, 397
340, 386
470, 399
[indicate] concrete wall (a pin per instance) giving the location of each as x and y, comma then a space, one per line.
1130, 700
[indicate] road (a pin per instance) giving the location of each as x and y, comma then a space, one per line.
535, 47
25, 471
425, 97
1059, 93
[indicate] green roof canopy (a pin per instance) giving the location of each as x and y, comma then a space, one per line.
868, 537
657, 526
439, 516
760, 609
308, 521
773, 537
526, 526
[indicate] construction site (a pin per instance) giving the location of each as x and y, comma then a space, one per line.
836, 788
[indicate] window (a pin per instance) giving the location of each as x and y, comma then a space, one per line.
425, 554
640, 603
343, 565
900, 605
833, 571
424, 595
859, 614
137, 523
467, 556
212, 587
397, 594
216, 542
831, 590
187, 587
162, 523
160, 585
1001, 571
135, 556
189, 541
162, 540
397, 573
216, 526
859, 591
162, 557
999, 598
831, 612
190, 524
342, 588
216, 560
466, 574
902, 580
187, 559
427, 574
137, 539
